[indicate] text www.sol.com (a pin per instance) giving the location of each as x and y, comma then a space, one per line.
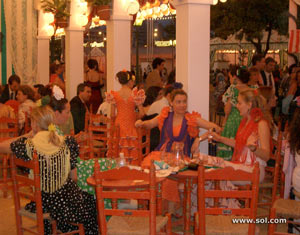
259, 221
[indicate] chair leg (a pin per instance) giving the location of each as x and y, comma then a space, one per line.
5, 185
81, 229
196, 224
169, 224
272, 227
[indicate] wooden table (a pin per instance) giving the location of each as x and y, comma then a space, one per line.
131, 184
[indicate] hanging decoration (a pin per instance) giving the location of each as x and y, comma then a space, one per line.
215, 2
156, 10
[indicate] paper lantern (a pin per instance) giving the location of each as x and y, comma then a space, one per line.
215, 2
163, 7
133, 7
49, 29
82, 20
156, 10
48, 17
223, 1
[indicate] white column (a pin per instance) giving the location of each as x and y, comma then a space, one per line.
118, 43
74, 52
43, 51
292, 24
192, 53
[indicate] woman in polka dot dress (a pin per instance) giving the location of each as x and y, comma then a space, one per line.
61, 197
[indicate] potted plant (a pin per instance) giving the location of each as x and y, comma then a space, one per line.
100, 8
60, 9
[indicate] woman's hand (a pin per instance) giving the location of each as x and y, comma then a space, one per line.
213, 135
139, 123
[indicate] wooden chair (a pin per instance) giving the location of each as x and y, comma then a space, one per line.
271, 179
102, 129
284, 209
28, 187
218, 220
143, 144
85, 151
8, 129
125, 221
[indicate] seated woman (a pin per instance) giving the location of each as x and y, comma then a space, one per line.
294, 141
252, 142
62, 112
177, 125
26, 98
61, 197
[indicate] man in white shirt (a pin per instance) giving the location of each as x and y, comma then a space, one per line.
157, 106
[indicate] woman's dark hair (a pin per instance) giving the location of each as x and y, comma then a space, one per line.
243, 75
124, 77
156, 62
92, 64
294, 130
28, 91
172, 77
177, 92
58, 105
151, 95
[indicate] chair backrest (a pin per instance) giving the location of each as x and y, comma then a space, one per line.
124, 173
8, 128
101, 129
85, 150
143, 143
227, 174
28, 188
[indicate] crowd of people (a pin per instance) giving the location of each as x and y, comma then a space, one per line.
253, 98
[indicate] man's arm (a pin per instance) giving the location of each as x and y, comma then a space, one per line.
77, 117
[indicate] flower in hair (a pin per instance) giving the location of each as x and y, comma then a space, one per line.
124, 70
58, 93
51, 127
255, 92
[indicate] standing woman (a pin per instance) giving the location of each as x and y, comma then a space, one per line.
125, 102
252, 142
93, 78
61, 197
232, 116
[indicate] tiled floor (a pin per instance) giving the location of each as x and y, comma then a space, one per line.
8, 227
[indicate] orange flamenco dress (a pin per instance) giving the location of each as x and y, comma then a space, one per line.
125, 119
185, 133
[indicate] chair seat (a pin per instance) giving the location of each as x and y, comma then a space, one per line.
221, 224
287, 208
133, 225
31, 215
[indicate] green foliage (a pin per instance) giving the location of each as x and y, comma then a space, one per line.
249, 18
60, 8
99, 2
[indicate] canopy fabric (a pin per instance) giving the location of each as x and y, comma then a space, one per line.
21, 26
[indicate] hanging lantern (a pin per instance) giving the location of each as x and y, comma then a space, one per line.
133, 7
82, 20
48, 17
223, 1
144, 13
215, 2
149, 12
163, 7
156, 10
49, 29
